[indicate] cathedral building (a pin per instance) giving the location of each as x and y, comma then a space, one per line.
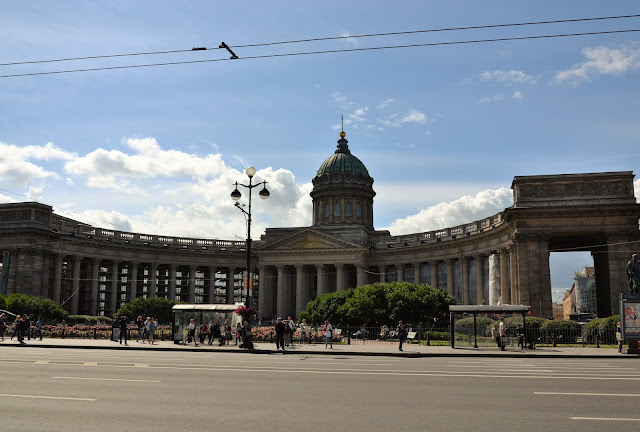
503, 258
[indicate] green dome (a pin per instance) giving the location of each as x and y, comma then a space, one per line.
342, 162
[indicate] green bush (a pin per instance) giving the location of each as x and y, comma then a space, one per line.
465, 325
21, 304
605, 327
157, 307
88, 319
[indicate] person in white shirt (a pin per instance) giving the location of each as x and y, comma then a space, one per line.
304, 328
328, 335
503, 333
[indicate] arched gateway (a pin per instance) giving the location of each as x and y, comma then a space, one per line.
503, 258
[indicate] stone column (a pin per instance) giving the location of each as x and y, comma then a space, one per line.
479, 258
450, 287
262, 292
281, 301
434, 273
544, 276
301, 298
153, 280
115, 294
211, 289
172, 281
464, 270
75, 290
523, 258
192, 283
133, 283
400, 272
340, 285
361, 275
515, 296
619, 250
231, 271
322, 279
417, 271
57, 283
95, 275
505, 293
383, 276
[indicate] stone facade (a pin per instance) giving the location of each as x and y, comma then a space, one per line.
502, 258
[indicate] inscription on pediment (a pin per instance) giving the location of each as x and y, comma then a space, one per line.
308, 242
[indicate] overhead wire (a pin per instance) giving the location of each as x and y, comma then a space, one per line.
330, 38
345, 50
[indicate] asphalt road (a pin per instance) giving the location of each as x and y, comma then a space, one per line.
50, 390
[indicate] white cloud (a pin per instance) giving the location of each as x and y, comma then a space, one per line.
385, 104
353, 42
15, 167
492, 98
512, 77
517, 96
112, 168
413, 116
341, 100
35, 193
449, 214
601, 61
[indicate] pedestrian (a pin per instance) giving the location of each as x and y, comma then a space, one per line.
115, 328
401, 331
520, 333
619, 336
238, 332
16, 328
328, 334
210, 332
204, 330
247, 336
140, 326
151, 329
227, 333
503, 334
216, 332
123, 330
27, 325
280, 328
39, 328
495, 335
304, 328
191, 332
3, 326
288, 332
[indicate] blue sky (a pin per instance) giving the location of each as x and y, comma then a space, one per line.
442, 129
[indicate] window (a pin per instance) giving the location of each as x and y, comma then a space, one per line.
348, 211
336, 209
326, 209
358, 210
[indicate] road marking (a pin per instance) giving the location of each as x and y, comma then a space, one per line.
105, 379
48, 397
589, 394
91, 363
42, 362
606, 419
141, 365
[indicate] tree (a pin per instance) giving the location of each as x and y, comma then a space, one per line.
21, 304
157, 307
380, 303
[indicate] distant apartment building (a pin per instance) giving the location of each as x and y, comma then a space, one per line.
558, 311
581, 297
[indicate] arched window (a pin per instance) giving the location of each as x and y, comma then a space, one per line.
348, 211
336, 209
358, 210
326, 210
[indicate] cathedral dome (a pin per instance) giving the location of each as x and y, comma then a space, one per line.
342, 162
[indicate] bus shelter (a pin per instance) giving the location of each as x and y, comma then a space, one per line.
483, 309
201, 313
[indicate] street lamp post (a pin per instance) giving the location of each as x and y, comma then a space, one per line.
236, 195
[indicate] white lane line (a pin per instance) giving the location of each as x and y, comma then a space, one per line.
48, 397
91, 363
141, 365
105, 379
606, 419
589, 394
42, 362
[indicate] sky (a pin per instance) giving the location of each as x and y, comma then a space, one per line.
442, 129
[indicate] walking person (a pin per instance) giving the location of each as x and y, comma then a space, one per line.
140, 326
123, 330
115, 328
238, 332
39, 328
3, 326
280, 328
204, 330
495, 335
247, 337
401, 331
503, 334
304, 328
288, 332
151, 329
520, 333
328, 334
191, 332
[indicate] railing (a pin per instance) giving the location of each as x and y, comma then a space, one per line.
445, 234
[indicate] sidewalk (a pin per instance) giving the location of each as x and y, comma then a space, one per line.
356, 348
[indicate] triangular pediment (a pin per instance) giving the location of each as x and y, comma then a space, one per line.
309, 239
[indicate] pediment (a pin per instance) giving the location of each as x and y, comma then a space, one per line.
309, 239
